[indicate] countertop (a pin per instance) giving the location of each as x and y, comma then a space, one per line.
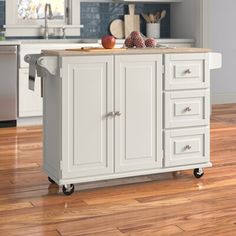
65, 41
125, 51
9, 42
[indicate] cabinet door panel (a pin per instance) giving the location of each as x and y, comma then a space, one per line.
138, 128
90, 94
187, 71
187, 146
186, 108
30, 102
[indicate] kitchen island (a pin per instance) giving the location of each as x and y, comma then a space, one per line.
125, 112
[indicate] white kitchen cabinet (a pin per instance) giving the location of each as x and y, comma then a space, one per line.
30, 102
105, 118
109, 114
138, 101
90, 99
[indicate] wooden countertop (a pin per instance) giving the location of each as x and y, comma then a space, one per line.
74, 52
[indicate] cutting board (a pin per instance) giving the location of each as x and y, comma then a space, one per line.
132, 21
117, 28
93, 49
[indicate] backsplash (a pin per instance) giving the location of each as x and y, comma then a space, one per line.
2, 13
96, 17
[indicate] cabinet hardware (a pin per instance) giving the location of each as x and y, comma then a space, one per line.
111, 114
188, 147
118, 113
187, 109
188, 71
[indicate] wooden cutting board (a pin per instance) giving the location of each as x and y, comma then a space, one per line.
95, 49
117, 28
132, 21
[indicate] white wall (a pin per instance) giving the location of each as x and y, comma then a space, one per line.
212, 23
222, 38
186, 20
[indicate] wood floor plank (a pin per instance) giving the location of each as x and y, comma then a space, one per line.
165, 204
152, 230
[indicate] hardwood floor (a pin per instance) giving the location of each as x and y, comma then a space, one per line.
166, 204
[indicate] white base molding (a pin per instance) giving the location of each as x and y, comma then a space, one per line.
223, 98
29, 121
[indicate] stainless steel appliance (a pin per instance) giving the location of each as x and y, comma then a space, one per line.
8, 85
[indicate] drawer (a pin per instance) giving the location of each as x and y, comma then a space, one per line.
186, 108
186, 71
187, 146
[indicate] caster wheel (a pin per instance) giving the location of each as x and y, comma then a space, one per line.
51, 180
198, 173
68, 190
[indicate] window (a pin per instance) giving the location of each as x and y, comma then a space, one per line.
34, 9
26, 17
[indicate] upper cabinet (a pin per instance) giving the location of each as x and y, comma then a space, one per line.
27, 17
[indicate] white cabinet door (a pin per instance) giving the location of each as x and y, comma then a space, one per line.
30, 102
138, 99
87, 86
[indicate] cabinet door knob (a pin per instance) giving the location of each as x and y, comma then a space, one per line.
118, 113
187, 109
111, 114
188, 147
188, 71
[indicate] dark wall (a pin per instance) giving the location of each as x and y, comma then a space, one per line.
96, 17
2, 13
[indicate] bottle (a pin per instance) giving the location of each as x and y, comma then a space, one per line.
2, 35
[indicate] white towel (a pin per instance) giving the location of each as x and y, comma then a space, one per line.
32, 60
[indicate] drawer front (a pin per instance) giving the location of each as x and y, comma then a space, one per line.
187, 108
186, 71
187, 147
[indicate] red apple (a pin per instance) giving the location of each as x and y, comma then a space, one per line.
108, 41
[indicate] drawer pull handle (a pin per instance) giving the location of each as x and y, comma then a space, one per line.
118, 113
188, 71
188, 147
111, 114
187, 109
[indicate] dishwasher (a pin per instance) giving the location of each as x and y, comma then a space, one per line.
8, 86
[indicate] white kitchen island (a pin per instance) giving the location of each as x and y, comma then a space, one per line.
120, 113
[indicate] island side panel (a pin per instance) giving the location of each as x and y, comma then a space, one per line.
52, 122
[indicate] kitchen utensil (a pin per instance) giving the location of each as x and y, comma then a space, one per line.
145, 17
117, 28
152, 18
132, 21
163, 15
157, 16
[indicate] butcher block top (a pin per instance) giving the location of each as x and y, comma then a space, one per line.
121, 51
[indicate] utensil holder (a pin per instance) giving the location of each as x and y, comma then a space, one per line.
153, 30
